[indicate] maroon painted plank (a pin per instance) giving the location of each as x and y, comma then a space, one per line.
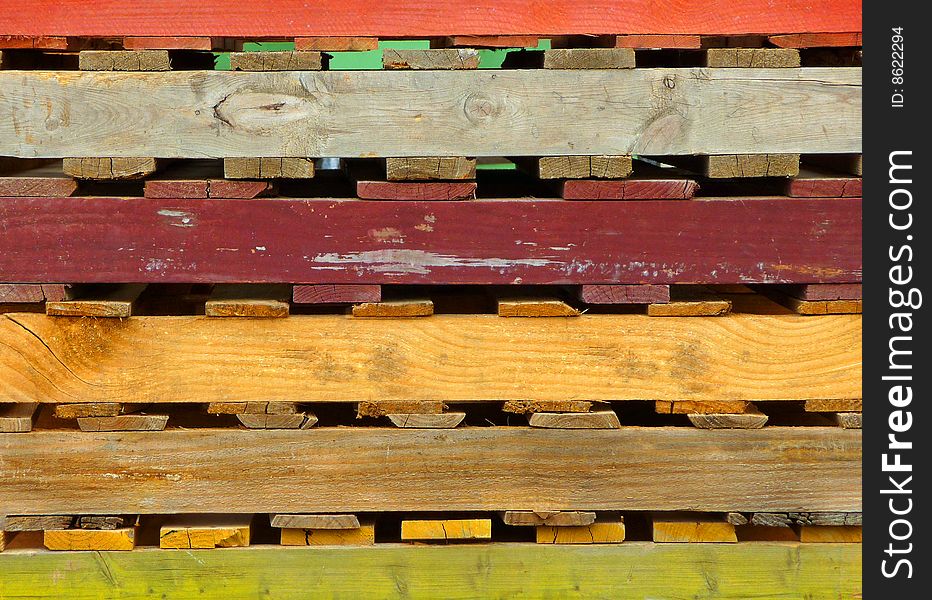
629, 189
37, 186
824, 291
811, 184
19, 293
206, 188
336, 294
745, 240
624, 294
419, 190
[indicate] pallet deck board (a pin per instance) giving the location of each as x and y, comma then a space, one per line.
711, 241
466, 469
200, 114
449, 358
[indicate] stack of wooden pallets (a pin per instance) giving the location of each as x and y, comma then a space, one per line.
430, 299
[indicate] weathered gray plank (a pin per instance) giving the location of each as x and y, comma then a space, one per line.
406, 113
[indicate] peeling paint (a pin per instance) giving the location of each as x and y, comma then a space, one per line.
420, 262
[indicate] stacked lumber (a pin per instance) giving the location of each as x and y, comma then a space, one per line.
434, 292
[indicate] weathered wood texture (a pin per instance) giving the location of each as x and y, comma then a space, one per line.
624, 294
430, 167
124, 60
17, 418
276, 61
110, 168
336, 521
487, 41
29, 293
450, 358
603, 419
508, 570
373, 469
426, 420
432, 59
336, 43
629, 189
336, 294
811, 183
564, 518
414, 307
397, 18
205, 531
758, 58
709, 241
198, 114
535, 307
268, 168
842, 291
416, 190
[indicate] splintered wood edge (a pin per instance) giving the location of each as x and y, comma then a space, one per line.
382, 408
523, 407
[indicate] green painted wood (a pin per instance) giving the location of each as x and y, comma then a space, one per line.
628, 570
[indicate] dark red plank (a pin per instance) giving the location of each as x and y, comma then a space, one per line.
818, 184
336, 294
816, 40
206, 188
624, 294
407, 18
824, 291
37, 186
17, 293
629, 189
420, 190
744, 240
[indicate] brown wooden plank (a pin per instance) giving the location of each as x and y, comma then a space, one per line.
727, 166
301, 420
110, 302
447, 420
432, 59
395, 308
535, 307
205, 531
624, 294
336, 294
489, 41
89, 409
834, 291
174, 43
758, 58
21, 293
628, 189
89, 539
302, 521
525, 407
259, 301
816, 40
556, 518
16, 42
131, 422
284, 60
686, 528
834, 405
602, 532
124, 60
383, 408
375, 469
416, 190
111, 168
336, 43
35, 522
687, 407
576, 167
816, 183
17, 418
364, 535
268, 168
36, 180
603, 419
430, 167
844, 534
750, 419
848, 420
446, 529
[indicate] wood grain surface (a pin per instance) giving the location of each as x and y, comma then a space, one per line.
474, 468
449, 358
715, 241
201, 114
411, 572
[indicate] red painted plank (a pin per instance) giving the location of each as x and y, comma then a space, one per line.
816, 40
658, 41
824, 291
206, 188
37, 186
168, 43
405, 18
819, 184
759, 240
11, 42
336, 294
628, 189
420, 190
18, 293
624, 294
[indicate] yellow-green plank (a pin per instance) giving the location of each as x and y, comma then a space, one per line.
628, 570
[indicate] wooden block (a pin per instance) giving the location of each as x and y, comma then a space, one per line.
115, 302
207, 188
276, 61
433, 59
736, 518
17, 418
303, 420
708, 407
111, 168
535, 307
35, 522
252, 408
836, 291
268, 168
812, 183
750, 419
124, 60
108, 522
420, 190
624, 294
524, 407
641, 41
21, 293
830, 535
364, 535
603, 532
750, 165
90, 539
816, 40
315, 521
690, 308
124, 423
850, 420
576, 167
490, 41
628, 189
603, 419
680, 528
757, 58
26, 42
89, 409
380, 408
817, 307
174, 43
834, 405
205, 531
446, 529
427, 421
556, 518
336, 294
258, 301
589, 58
827, 518
430, 167
336, 44
394, 308
841, 163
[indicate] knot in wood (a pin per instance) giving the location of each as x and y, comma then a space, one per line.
481, 108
